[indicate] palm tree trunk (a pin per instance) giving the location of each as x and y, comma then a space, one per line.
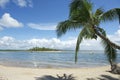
106, 39
111, 63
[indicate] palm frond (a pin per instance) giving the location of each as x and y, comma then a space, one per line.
75, 4
80, 4
88, 5
109, 51
62, 27
86, 33
79, 40
111, 15
99, 11
96, 16
80, 10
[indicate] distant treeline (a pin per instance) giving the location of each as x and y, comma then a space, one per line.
42, 49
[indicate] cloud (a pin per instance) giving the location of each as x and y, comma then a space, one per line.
8, 21
118, 32
91, 44
8, 42
42, 26
23, 3
115, 37
3, 3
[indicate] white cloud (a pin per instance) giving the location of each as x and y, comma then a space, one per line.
3, 3
23, 3
7, 42
42, 26
7, 39
118, 33
115, 37
8, 21
91, 44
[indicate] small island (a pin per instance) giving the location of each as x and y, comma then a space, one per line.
42, 49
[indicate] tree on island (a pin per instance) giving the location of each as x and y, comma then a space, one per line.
42, 49
82, 16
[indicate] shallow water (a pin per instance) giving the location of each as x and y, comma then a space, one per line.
63, 59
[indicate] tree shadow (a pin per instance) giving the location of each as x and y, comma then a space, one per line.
49, 77
70, 77
104, 77
90, 79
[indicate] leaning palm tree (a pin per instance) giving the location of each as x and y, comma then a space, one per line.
83, 16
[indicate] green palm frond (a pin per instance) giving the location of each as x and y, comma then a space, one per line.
80, 10
62, 27
96, 17
80, 4
109, 51
111, 15
99, 11
86, 33
79, 40
75, 4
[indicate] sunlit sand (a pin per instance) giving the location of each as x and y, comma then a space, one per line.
17, 73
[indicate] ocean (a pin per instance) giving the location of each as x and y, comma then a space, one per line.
57, 59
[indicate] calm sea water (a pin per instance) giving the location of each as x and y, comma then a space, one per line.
64, 59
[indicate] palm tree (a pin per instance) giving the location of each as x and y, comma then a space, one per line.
82, 16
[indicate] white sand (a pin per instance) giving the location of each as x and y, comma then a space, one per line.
15, 73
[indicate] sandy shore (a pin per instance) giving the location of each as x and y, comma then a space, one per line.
15, 73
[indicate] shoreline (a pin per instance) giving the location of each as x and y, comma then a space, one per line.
20, 73
52, 67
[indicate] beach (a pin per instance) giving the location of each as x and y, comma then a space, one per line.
48, 66
18, 73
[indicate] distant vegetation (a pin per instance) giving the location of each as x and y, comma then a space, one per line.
42, 49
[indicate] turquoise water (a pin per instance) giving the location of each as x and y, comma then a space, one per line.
64, 59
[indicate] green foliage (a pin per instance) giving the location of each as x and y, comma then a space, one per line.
111, 15
80, 11
42, 49
109, 51
62, 27
99, 12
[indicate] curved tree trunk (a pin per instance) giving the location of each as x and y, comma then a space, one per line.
106, 39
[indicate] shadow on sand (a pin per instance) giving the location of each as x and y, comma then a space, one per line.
104, 77
70, 77
49, 77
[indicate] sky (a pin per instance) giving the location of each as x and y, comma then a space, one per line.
29, 23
